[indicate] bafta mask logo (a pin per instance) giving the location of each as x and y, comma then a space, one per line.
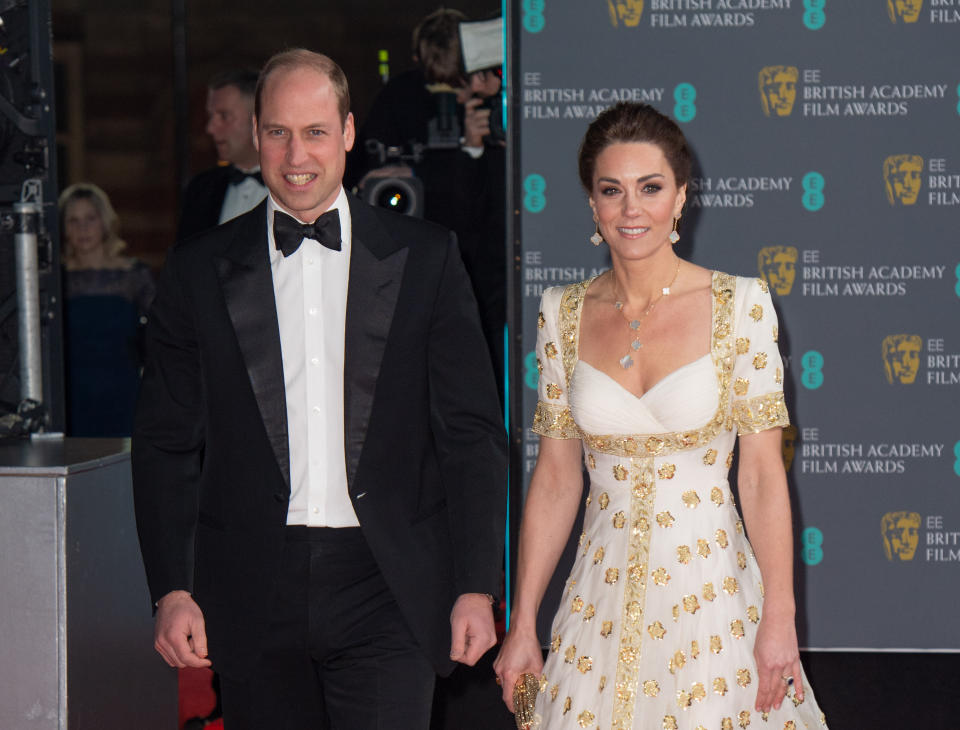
901, 176
778, 89
788, 445
778, 267
906, 11
901, 358
901, 533
627, 12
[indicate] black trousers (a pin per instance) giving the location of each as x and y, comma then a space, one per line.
338, 655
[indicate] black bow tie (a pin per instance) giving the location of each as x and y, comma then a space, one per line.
236, 176
288, 233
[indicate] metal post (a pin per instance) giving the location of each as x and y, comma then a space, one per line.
28, 299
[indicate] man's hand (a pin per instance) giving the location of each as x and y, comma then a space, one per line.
472, 630
179, 633
476, 123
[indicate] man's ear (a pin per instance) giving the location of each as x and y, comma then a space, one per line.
349, 132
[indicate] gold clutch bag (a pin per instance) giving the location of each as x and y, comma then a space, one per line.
525, 699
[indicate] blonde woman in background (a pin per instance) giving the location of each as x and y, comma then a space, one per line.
106, 298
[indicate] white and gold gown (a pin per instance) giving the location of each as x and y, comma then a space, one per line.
658, 619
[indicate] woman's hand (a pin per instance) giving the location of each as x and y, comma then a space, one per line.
778, 661
765, 501
520, 653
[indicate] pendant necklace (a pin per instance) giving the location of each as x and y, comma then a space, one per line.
634, 324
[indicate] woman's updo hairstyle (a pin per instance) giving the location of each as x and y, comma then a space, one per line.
634, 122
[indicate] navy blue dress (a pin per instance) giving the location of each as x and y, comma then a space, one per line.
105, 310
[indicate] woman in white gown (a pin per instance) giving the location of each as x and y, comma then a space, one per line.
649, 372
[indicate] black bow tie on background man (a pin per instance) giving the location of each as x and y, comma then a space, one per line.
289, 232
235, 175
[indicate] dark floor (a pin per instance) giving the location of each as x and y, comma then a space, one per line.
880, 691
856, 692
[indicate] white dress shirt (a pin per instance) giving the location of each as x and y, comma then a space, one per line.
242, 197
310, 287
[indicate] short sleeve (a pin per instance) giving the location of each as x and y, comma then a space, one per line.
552, 417
757, 399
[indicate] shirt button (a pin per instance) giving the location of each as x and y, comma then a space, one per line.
314, 360
312, 311
316, 510
316, 409
310, 261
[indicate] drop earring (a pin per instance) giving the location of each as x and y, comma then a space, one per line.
596, 239
674, 234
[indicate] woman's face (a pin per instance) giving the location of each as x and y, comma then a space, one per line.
635, 199
83, 226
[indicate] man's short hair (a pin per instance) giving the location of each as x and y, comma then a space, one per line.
244, 79
302, 58
436, 46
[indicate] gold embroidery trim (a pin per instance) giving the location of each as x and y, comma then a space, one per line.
571, 306
554, 421
634, 593
722, 347
760, 413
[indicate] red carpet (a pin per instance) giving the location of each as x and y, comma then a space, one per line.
196, 696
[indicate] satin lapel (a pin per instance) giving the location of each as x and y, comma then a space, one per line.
247, 284
376, 272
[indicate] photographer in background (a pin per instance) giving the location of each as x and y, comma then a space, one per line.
484, 187
403, 111
436, 124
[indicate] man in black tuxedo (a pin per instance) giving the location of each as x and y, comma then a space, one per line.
228, 190
318, 456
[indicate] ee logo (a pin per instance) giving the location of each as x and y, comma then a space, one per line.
685, 95
813, 15
813, 191
531, 373
534, 200
533, 20
958, 102
810, 549
956, 288
956, 463
812, 376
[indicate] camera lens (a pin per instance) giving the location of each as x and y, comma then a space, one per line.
402, 194
394, 198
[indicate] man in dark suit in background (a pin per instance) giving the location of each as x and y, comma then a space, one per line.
224, 192
319, 460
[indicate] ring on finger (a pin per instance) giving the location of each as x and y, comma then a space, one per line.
788, 680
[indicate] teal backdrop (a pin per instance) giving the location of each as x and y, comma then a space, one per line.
827, 145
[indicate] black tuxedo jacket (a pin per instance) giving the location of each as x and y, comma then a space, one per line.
424, 443
203, 201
